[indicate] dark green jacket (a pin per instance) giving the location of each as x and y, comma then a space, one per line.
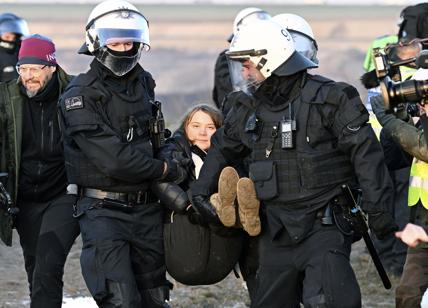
11, 103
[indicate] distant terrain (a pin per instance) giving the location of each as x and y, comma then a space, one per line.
185, 42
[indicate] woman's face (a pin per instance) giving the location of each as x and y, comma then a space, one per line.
200, 129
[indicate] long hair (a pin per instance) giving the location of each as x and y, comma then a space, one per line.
213, 112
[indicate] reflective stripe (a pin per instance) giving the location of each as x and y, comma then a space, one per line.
375, 124
418, 183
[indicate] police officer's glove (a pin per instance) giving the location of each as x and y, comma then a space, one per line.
173, 172
181, 159
205, 209
382, 224
171, 195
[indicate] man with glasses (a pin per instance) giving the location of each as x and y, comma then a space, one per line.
32, 155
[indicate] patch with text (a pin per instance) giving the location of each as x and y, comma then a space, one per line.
75, 102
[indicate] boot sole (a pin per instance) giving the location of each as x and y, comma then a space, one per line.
249, 206
227, 183
226, 215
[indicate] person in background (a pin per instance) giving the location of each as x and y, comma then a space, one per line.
34, 159
12, 30
222, 81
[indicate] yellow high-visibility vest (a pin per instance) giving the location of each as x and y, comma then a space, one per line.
418, 183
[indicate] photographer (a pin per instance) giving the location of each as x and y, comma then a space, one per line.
411, 138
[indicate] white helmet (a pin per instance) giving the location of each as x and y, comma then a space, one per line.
116, 21
247, 15
269, 47
301, 32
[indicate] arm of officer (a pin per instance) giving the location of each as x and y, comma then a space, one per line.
358, 140
103, 146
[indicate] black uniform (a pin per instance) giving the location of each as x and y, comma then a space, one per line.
8, 59
301, 259
110, 157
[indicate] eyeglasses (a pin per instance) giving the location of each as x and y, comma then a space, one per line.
35, 71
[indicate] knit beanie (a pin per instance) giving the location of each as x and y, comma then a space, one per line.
37, 49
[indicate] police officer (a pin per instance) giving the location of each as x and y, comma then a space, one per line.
222, 82
109, 155
32, 155
306, 135
12, 29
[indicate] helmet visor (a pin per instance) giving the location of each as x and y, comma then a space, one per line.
244, 75
121, 27
305, 46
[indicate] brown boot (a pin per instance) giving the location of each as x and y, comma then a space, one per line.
226, 196
248, 206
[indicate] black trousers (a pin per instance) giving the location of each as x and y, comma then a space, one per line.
47, 230
315, 272
122, 260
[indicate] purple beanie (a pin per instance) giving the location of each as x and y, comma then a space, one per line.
37, 49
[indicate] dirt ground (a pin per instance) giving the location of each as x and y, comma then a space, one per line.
185, 42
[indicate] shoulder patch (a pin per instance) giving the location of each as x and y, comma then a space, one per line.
75, 102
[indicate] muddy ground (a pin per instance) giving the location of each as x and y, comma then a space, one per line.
185, 42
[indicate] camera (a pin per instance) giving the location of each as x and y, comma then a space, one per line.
395, 93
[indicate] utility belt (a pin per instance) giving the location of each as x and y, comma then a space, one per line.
120, 201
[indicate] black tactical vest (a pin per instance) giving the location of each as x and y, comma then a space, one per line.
127, 114
313, 166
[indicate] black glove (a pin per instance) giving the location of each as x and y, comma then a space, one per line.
204, 207
382, 224
174, 172
171, 195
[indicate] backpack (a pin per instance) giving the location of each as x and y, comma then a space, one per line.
414, 22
